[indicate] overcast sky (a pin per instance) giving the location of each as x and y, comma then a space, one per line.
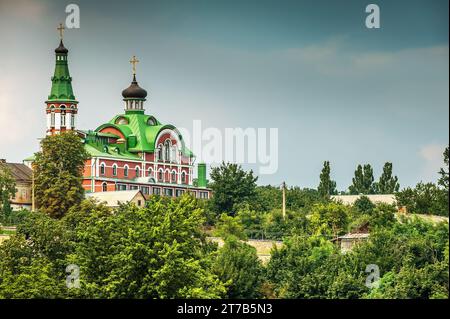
335, 90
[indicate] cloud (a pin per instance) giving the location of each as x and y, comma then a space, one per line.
432, 155
24, 9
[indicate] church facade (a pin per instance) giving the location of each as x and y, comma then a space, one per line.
131, 151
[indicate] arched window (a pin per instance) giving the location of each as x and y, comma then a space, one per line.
104, 187
173, 177
167, 150
52, 116
150, 172
72, 120
114, 169
183, 177
159, 153
138, 171
125, 171
63, 115
102, 169
173, 156
160, 175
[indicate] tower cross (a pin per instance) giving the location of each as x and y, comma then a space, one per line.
61, 30
134, 61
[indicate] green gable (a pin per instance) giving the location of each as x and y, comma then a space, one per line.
140, 131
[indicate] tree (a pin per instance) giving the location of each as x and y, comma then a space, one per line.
154, 252
238, 266
7, 191
424, 199
329, 219
58, 173
362, 183
326, 186
231, 185
228, 226
387, 183
364, 205
444, 179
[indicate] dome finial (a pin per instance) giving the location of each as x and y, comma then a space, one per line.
61, 49
61, 28
134, 61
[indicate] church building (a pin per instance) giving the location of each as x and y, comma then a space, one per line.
133, 150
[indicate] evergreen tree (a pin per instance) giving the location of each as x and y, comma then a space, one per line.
363, 181
387, 183
326, 186
58, 173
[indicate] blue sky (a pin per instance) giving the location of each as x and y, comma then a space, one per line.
336, 90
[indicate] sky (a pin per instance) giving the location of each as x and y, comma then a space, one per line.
335, 89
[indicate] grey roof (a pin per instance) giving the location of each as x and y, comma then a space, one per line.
20, 172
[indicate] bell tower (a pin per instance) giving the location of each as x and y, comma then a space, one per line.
62, 107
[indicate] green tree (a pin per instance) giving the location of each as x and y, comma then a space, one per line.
231, 185
58, 173
387, 183
154, 252
362, 183
364, 205
444, 178
229, 226
329, 219
252, 221
7, 191
326, 186
238, 266
424, 199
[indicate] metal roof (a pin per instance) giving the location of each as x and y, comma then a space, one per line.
20, 172
114, 198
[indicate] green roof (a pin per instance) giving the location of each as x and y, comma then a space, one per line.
99, 151
139, 133
61, 81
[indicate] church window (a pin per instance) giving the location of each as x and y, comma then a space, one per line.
104, 187
138, 171
63, 115
121, 121
125, 171
160, 176
173, 156
114, 169
183, 177
102, 169
52, 118
151, 121
159, 153
72, 120
167, 150
173, 177
150, 172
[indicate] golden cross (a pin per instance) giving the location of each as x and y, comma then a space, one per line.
61, 30
134, 61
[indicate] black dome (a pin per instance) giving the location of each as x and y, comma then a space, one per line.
61, 48
134, 91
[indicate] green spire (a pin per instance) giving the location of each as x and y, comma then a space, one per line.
61, 80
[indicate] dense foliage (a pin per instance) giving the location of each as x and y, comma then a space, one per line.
161, 250
58, 170
7, 190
